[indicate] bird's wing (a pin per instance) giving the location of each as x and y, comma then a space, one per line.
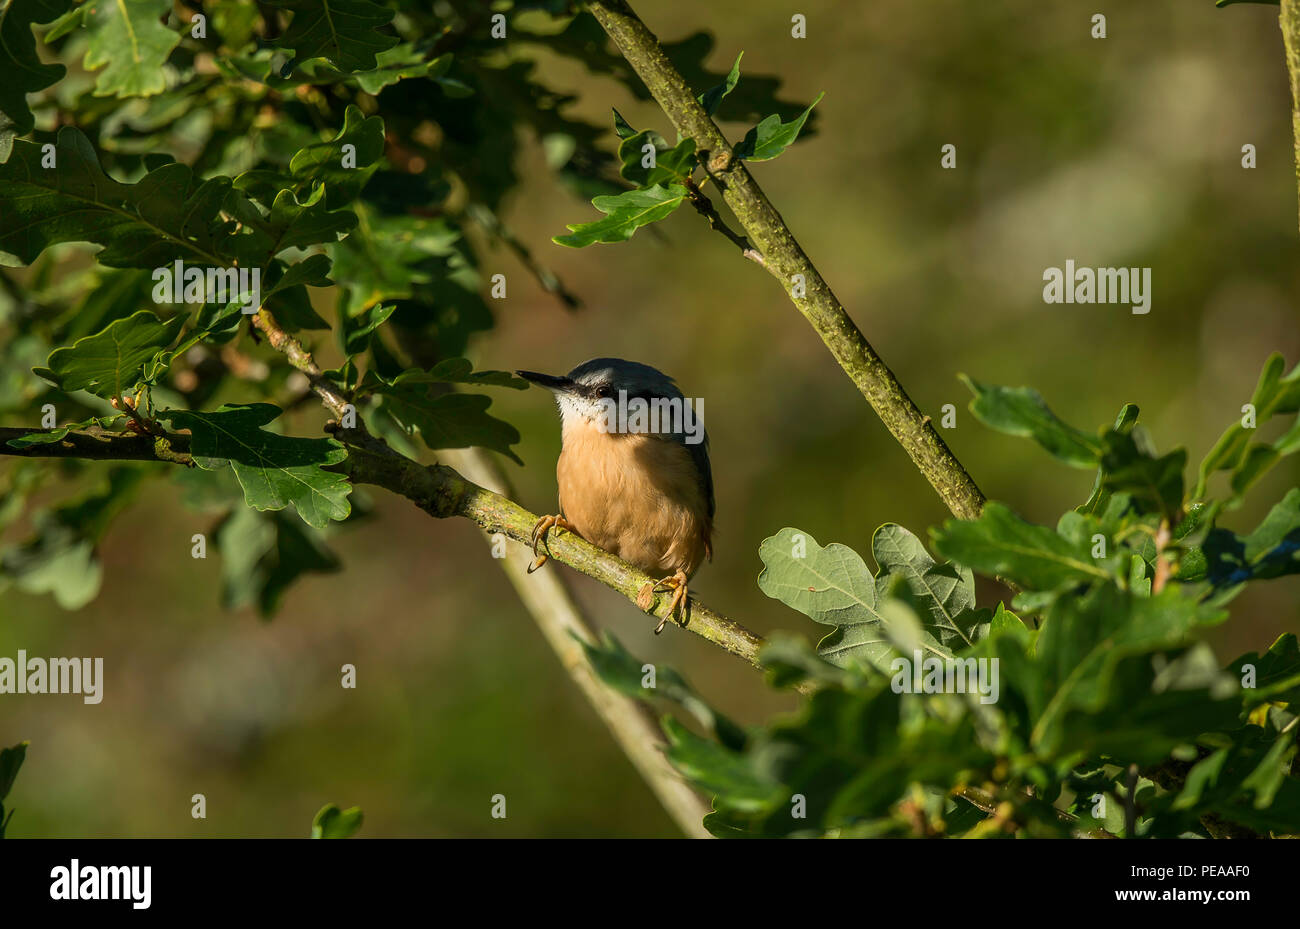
700, 454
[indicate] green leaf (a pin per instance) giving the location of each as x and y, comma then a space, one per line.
263, 554
712, 98
11, 759
293, 224
447, 371
333, 823
449, 420
1021, 411
51, 436
388, 256
1082, 659
399, 63
1275, 541
1271, 550
629, 676
1099, 499
419, 400
355, 332
59, 558
853, 753
1001, 544
344, 31
274, 470
323, 162
168, 214
789, 660
626, 213
129, 37
1274, 394
68, 22
22, 68
671, 165
1277, 672
1154, 484
312, 271
717, 770
1245, 783
771, 137
113, 361
621, 127
944, 594
834, 587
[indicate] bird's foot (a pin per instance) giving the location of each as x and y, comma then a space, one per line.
675, 582
539, 537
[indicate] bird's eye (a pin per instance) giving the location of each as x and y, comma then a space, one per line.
605, 391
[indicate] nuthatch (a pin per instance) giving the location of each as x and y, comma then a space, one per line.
638, 487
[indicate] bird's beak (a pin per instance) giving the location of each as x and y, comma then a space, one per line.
549, 381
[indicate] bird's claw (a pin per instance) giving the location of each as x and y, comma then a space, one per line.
675, 582
539, 537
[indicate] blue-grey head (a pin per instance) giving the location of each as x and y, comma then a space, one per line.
629, 397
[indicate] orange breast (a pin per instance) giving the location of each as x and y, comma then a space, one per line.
636, 496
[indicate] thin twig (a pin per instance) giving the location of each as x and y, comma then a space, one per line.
704, 206
334, 399
1163, 569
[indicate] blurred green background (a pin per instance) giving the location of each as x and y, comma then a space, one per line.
1117, 152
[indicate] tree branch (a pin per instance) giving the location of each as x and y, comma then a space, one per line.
1290, 22
334, 399
785, 259
100, 445
439, 491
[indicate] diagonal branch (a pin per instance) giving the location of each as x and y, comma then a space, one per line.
439, 491
785, 259
442, 492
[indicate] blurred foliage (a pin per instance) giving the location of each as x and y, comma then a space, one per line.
333, 823
1124, 150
